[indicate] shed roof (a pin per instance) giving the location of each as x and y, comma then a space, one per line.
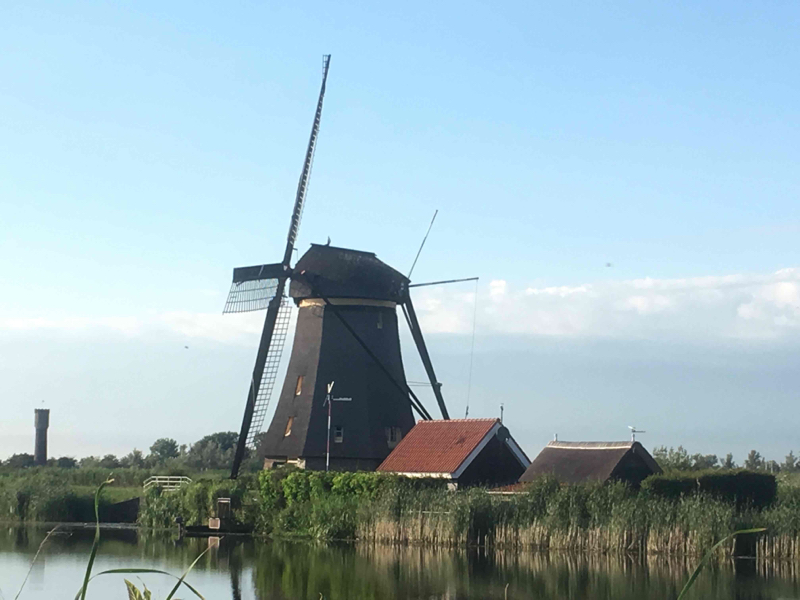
443, 448
574, 462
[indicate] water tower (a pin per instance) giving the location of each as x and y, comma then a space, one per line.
41, 423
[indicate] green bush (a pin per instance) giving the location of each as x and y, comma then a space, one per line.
41, 495
159, 509
85, 476
197, 501
744, 488
569, 507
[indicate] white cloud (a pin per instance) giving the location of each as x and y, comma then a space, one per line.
242, 327
760, 306
497, 288
126, 325
235, 328
561, 291
715, 307
646, 304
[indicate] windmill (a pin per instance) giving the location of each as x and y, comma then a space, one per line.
346, 331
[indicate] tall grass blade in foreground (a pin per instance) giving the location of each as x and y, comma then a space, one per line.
82, 593
135, 594
709, 554
186, 572
155, 571
132, 590
33, 562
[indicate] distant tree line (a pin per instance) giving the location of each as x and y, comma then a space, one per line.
212, 452
671, 459
215, 452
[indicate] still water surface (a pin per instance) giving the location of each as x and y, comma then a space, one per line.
265, 570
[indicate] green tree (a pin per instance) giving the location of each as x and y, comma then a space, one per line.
214, 451
134, 459
790, 464
89, 462
163, 449
754, 461
258, 441
728, 462
20, 461
226, 440
66, 462
672, 460
701, 462
109, 461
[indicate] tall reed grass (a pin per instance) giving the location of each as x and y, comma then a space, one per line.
609, 517
376, 508
43, 496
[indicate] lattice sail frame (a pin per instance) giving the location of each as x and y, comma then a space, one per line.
270, 373
247, 296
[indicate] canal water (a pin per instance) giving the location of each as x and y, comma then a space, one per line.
267, 570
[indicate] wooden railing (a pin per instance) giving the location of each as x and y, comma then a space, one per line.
168, 483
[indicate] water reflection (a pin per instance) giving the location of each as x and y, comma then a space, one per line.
243, 569
368, 573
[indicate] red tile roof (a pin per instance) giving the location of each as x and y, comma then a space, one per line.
437, 446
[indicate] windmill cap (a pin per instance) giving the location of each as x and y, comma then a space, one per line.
345, 273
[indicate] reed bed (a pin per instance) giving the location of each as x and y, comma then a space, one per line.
778, 547
379, 509
43, 497
609, 518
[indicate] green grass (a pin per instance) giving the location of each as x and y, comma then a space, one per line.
789, 479
382, 508
585, 506
45, 496
133, 592
110, 494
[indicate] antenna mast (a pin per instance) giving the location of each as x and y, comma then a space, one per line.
422, 245
634, 431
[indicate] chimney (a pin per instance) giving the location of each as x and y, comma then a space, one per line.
41, 423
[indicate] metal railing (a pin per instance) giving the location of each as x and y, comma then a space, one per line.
168, 483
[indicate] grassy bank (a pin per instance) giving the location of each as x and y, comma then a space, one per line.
45, 496
64, 495
387, 509
391, 510
196, 502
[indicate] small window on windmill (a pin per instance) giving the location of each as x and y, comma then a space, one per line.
393, 436
298, 388
380, 320
288, 430
338, 434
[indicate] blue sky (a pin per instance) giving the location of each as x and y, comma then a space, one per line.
148, 148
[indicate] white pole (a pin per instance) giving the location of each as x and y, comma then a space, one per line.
328, 450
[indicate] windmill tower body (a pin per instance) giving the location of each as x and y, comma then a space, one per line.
346, 298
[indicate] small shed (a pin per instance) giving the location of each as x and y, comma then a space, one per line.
461, 451
579, 462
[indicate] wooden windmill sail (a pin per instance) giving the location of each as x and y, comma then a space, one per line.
347, 332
